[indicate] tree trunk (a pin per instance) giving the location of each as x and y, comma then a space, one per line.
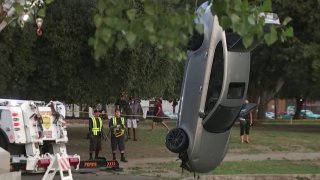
262, 106
80, 109
266, 96
275, 107
253, 97
72, 108
299, 102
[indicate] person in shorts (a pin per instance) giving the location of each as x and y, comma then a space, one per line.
117, 128
133, 112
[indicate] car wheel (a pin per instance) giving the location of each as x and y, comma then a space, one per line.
177, 140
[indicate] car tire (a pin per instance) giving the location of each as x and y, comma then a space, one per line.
177, 140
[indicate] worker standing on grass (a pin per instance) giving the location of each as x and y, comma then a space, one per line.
95, 131
117, 128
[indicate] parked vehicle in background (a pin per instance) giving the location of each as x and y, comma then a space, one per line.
304, 114
170, 115
286, 116
150, 112
307, 114
270, 115
291, 110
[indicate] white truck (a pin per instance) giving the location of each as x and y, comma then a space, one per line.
34, 132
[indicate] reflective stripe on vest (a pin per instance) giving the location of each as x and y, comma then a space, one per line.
96, 129
114, 123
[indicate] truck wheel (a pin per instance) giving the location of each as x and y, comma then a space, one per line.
3, 143
177, 140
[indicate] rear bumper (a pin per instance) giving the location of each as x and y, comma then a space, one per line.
40, 164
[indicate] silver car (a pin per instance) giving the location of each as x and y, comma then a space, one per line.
214, 88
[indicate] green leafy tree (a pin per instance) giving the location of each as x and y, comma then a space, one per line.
143, 71
63, 51
302, 74
291, 69
168, 24
65, 68
16, 61
136, 40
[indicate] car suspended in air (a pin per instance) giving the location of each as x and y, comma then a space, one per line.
214, 88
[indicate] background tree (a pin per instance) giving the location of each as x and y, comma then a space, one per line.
168, 24
143, 71
62, 52
291, 69
266, 75
60, 64
303, 72
16, 60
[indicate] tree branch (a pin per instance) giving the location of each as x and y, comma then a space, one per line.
270, 94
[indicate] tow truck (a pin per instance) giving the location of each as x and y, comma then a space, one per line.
33, 132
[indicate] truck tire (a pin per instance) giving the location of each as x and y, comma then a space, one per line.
177, 140
3, 142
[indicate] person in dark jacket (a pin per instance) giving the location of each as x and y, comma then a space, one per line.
117, 128
95, 134
121, 104
174, 104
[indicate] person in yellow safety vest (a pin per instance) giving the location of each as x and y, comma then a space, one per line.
117, 127
95, 131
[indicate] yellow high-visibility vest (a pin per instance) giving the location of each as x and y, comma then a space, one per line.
96, 129
114, 123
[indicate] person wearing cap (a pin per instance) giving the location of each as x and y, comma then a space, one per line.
95, 132
117, 128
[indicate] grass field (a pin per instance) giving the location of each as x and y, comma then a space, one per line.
245, 167
264, 139
149, 144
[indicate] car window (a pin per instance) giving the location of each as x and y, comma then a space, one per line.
232, 39
216, 78
196, 40
222, 119
236, 90
234, 42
